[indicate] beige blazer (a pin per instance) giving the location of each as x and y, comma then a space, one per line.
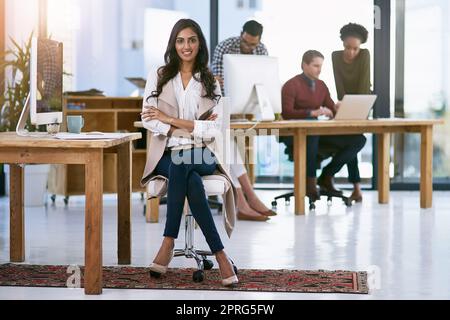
168, 104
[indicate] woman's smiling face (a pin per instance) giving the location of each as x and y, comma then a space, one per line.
187, 45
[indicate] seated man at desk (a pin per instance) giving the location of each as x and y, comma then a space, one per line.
307, 97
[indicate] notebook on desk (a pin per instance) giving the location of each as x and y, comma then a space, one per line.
87, 136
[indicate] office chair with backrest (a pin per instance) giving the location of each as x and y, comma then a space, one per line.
325, 152
215, 185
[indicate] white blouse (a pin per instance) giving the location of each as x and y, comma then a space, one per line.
188, 103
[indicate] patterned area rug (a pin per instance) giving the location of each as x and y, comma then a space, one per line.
181, 279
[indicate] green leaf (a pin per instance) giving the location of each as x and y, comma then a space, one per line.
18, 48
18, 60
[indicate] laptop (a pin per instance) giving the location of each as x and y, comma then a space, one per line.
355, 107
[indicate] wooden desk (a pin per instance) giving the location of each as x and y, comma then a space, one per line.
106, 114
16, 151
300, 129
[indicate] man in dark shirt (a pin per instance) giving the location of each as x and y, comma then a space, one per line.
307, 97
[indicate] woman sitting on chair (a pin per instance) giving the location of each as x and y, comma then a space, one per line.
179, 111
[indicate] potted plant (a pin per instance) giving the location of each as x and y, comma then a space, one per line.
16, 63
17, 86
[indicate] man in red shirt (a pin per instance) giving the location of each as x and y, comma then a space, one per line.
307, 97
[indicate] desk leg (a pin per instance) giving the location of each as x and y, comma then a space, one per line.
17, 218
93, 223
383, 167
299, 171
426, 167
124, 202
250, 157
152, 212
152, 206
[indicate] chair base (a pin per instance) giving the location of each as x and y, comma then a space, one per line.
200, 258
312, 205
189, 252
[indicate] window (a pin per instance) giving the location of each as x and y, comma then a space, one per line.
423, 86
63, 22
22, 18
246, 4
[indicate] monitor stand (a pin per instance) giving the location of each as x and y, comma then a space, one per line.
263, 104
20, 128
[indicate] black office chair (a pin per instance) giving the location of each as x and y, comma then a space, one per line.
325, 152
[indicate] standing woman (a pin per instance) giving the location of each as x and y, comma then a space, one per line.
179, 110
352, 76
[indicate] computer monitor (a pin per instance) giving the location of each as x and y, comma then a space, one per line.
253, 85
45, 100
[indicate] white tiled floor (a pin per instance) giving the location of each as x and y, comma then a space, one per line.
408, 246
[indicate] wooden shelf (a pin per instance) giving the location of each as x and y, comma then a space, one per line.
105, 114
76, 111
101, 98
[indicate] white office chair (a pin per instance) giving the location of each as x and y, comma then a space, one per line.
214, 186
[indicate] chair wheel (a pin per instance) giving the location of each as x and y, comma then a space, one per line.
312, 206
154, 274
274, 204
288, 203
198, 276
53, 197
66, 200
208, 264
348, 202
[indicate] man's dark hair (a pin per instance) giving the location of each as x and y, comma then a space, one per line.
253, 28
310, 55
354, 30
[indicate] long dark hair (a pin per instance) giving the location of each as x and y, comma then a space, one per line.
172, 60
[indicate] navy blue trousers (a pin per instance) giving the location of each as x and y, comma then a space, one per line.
184, 169
348, 147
